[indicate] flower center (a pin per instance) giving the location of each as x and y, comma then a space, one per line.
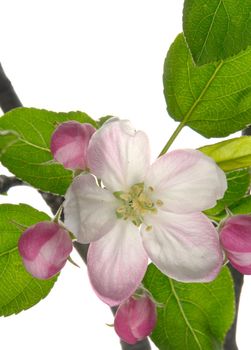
135, 204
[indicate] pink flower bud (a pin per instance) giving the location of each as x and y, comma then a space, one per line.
44, 248
235, 237
69, 144
135, 319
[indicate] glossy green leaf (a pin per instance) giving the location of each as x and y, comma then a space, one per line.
238, 186
194, 316
230, 154
216, 29
18, 289
215, 99
243, 206
25, 135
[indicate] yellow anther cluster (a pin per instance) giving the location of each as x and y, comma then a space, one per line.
134, 204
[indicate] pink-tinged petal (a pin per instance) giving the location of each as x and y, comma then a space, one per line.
44, 248
119, 155
184, 247
69, 144
135, 319
89, 209
186, 181
235, 237
117, 263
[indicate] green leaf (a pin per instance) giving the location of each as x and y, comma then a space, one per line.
215, 99
216, 29
25, 149
238, 185
230, 154
243, 207
18, 289
194, 316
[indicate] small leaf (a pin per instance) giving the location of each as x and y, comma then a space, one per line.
195, 316
238, 185
25, 149
230, 154
18, 289
215, 99
216, 29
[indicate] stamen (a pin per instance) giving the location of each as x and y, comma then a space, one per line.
159, 203
134, 204
149, 228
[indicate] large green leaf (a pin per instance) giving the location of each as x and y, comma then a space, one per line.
215, 99
216, 29
238, 186
194, 316
230, 154
26, 147
18, 289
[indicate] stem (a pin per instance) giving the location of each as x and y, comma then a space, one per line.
8, 101
172, 138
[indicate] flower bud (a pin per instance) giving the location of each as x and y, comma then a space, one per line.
44, 248
235, 237
69, 144
135, 319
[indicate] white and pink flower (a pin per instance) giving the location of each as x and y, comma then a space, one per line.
144, 211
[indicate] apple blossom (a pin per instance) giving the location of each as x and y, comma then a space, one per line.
69, 143
235, 237
44, 248
144, 211
135, 319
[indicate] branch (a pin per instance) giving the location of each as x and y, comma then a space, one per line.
230, 340
6, 182
8, 97
9, 100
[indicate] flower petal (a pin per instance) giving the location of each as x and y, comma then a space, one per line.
117, 263
119, 155
89, 210
186, 181
69, 144
235, 237
184, 247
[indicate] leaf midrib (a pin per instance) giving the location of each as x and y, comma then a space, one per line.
209, 30
189, 326
203, 92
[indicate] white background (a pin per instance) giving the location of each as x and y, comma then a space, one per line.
102, 57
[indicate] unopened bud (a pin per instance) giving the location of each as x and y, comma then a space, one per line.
135, 319
69, 144
235, 237
44, 248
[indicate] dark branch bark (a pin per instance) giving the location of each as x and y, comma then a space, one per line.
6, 182
8, 97
8, 101
230, 341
